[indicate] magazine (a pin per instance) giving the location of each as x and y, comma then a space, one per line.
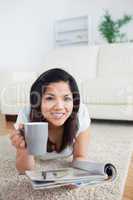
79, 174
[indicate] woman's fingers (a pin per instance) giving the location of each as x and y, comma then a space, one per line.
16, 137
22, 144
20, 126
15, 132
17, 140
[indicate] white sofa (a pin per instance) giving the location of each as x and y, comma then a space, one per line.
104, 74
15, 95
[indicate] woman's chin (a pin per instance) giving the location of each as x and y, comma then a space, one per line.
57, 123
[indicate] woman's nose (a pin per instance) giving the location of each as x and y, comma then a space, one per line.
59, 104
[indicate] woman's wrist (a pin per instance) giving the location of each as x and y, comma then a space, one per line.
24, 161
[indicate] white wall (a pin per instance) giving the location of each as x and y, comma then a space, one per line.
26, 27
95, 9
26, 33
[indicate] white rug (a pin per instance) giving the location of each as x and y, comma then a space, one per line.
109, 143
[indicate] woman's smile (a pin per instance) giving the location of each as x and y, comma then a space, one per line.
58, 115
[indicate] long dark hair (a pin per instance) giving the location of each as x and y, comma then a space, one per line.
38, 89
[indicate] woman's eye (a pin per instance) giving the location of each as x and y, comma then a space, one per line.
68, 99
49, 98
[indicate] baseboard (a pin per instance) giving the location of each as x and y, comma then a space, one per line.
112, 121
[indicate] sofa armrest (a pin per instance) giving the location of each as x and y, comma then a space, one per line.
14, 97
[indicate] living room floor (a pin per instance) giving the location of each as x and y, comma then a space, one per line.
7, 127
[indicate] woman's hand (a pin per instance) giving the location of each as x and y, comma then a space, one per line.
17, 139
24, 161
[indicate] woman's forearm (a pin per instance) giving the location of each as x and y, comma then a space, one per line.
24, 161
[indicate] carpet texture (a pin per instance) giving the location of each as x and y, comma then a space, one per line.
109, 143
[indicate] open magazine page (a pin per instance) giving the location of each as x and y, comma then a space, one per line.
81, 173
60, 177
63, 175
96, 168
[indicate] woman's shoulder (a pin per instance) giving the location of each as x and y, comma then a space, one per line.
23, 116
83, 111
83, 118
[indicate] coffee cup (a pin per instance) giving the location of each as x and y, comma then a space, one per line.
36, 136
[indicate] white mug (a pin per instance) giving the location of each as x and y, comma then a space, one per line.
36, 136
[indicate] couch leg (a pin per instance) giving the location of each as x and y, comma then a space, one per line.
11, 118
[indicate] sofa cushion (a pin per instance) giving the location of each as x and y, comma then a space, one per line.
16, 93
115, 60
14, 97
103, 111
80, 61
107, 91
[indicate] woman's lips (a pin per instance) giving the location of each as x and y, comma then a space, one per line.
57, 115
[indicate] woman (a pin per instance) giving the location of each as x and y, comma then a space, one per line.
54, 98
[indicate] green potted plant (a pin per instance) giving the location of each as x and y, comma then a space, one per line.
110, 29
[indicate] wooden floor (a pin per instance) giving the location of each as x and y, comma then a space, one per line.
7, 127
128, 193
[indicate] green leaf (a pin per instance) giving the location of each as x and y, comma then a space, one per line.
110, 29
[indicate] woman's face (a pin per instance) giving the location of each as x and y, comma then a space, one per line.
57, 103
